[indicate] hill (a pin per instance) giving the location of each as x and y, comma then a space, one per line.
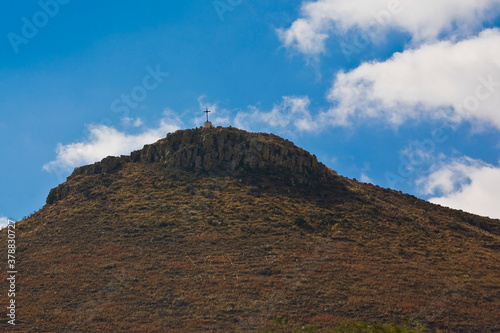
223, 230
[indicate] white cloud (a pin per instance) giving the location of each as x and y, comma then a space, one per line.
106, 141
135, 122
365, 178
4, 222
292, 110
451, 81
424, 19
466, 184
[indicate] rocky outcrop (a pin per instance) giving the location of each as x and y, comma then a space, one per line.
229, 151
107, 165
216, 151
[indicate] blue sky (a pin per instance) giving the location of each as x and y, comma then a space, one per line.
399, 93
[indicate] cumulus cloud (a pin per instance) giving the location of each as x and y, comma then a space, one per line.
4, 222
106, 141
424, 20
445, 80
365, 178
135, 122
465, 183
292, 111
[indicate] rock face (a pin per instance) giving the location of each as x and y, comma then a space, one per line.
217, 151
226, 150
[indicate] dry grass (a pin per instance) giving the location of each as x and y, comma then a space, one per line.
147, 249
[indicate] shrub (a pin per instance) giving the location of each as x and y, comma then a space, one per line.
110, 265
282, 326
300, 221
365, 327
51, 198
346, 327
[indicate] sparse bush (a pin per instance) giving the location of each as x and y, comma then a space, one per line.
164, 224
300, 221
282, 326
51, 198
110, 265
365, 327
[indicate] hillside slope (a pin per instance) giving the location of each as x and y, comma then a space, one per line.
223, 230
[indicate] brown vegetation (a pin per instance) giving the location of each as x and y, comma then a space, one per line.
144, 246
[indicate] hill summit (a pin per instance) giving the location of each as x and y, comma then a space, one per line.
222, 230
219, 152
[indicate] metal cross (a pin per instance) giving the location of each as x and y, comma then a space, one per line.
207, 112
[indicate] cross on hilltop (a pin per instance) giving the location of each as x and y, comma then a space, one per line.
207, 112
207, 124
